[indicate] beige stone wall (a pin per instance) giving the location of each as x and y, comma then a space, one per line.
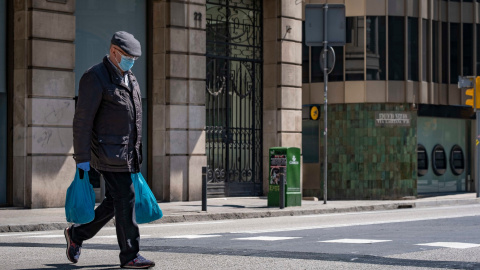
282, 87
178, 105
44, 59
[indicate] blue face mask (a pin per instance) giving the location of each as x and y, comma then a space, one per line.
126, 63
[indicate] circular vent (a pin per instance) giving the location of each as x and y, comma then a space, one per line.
457, 163
422, 160
439, 160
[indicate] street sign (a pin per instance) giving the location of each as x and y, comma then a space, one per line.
464, 82
314, 25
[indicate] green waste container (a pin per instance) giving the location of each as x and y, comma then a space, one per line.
284, 162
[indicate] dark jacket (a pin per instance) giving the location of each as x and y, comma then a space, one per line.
107, 126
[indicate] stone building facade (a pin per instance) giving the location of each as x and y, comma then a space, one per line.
224, 80
49, 42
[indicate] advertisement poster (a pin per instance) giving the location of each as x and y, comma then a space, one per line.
278, 169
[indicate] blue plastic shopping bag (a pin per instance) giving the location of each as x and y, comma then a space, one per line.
146, 206
80, 201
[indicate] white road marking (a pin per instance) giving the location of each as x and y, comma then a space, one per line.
266, 238
193, 236
106, 236
355, 224
115, 236
181, 224
423, 209
20, 234
355, 241
450, 245
45, 236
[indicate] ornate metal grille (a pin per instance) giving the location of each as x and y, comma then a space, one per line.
234, 96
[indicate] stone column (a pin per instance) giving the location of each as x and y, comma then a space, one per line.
282, 87
44, 58
178, 143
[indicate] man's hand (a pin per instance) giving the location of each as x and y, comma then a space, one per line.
84, 166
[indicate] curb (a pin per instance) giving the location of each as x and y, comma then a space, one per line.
452, 202
253, 214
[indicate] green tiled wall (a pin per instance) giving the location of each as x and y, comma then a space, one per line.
366, 161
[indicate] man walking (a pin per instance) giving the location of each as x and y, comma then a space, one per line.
107, 135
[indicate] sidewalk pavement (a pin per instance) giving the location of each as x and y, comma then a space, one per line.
21, 220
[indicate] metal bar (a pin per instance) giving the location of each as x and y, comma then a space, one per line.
227, 105
239, 7
234, 58
477, 112
233, 133
204, 188
282, 192
325, 118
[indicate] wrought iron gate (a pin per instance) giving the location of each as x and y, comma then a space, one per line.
234, 97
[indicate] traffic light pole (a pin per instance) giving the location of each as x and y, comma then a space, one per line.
477, 153
471, 82
477, 134
325, 77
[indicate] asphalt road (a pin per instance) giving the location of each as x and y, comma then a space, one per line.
426, 238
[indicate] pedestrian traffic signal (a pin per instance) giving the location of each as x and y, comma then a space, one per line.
474, 93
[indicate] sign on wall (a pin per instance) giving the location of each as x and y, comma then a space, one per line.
392, 119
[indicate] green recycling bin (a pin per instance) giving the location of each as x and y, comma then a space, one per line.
284, 162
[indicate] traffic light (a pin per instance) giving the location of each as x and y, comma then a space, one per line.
474, 96
470, 93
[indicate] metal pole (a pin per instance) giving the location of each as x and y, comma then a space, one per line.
477, 153
325, 77
282, 192
204, 189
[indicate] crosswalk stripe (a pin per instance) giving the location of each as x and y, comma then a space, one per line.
349, 224
355, 241
20, 234
182, 224
61, 236
193, 236
45, 236
266, 238
106, 236
450, 245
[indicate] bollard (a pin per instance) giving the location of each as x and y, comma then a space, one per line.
204, 188
282, 192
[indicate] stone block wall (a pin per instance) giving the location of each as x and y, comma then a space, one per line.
43, 104
178, 99
366, 161
282, 83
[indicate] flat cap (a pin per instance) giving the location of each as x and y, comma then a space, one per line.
127, 43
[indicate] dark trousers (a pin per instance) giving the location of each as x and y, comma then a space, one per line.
119, 201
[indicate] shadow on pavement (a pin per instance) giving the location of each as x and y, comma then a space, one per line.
73, 266
347, 258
